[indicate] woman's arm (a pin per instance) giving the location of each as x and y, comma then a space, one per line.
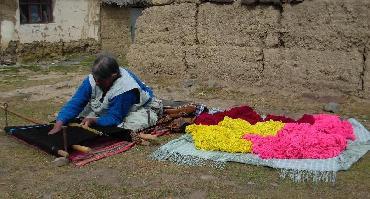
77, 103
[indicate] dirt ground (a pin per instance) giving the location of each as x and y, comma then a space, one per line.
39, 90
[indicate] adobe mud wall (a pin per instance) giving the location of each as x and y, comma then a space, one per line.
317, 46
115, 29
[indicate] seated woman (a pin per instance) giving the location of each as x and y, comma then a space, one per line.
111, 96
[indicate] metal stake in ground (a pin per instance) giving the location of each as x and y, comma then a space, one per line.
5, 107
6, 113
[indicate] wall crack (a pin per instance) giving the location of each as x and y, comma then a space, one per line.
196, 24
263, 61
362, 74
185, 62
281, 32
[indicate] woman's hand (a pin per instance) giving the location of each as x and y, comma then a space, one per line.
88, 121
57, 127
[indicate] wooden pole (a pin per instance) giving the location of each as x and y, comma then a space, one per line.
5, 107
83, 149
86, 128
6, 114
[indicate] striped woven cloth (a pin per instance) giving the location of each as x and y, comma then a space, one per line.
100, 148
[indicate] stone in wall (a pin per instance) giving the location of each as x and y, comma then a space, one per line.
8, 56
292, 1
170, 24
83, 45
301, 70
42, 50
161, 2
234, 66
270, 1
326, 24
251, 2
30, 51
168, 2
188, 1
220, 1
53, 49
237, 25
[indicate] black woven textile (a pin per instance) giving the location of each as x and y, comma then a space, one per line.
37, 135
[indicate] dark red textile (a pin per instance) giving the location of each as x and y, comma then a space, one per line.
242, 112
248, 114
279, 118
304, 119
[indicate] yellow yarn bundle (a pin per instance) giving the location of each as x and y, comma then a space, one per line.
227, 135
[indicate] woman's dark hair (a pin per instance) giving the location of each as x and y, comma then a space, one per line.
104, 66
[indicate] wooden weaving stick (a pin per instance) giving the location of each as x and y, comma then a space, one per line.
80, 148
140, 135
183, 109
86, 128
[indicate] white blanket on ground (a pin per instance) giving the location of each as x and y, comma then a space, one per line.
183, 151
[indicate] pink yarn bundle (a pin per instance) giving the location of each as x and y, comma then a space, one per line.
325, 138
